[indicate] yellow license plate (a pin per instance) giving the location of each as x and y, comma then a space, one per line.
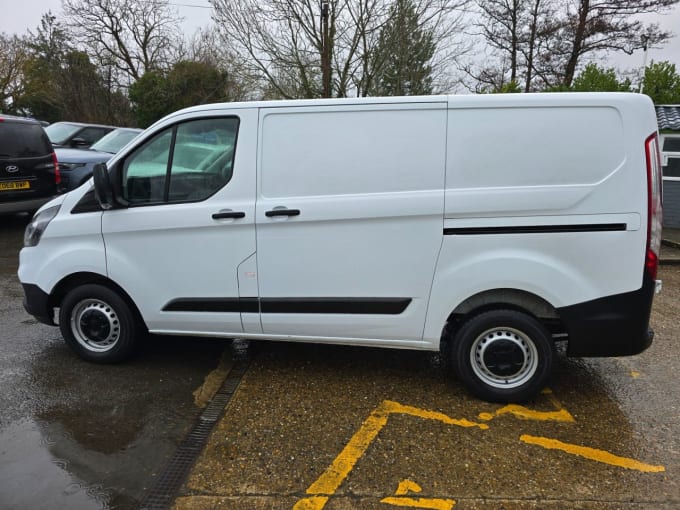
5, 186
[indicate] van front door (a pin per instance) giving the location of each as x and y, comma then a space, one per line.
189, 226
349, 220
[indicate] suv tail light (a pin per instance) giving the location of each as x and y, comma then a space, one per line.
57, 174
654, 204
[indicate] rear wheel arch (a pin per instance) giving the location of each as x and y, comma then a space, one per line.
507, 299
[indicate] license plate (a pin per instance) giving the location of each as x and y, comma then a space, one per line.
6, 186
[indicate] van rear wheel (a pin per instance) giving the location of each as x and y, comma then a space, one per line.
503, 355
98, 324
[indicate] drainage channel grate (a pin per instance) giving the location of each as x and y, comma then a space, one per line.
162, 494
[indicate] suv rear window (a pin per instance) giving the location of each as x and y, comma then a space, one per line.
23, 140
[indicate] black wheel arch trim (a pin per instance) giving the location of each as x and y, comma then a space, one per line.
41, 304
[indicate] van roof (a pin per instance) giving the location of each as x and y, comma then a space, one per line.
455, 101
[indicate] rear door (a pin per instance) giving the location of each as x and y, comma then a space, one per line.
26, 164
349, 219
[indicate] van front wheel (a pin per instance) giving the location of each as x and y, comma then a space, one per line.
98, 324
503, 355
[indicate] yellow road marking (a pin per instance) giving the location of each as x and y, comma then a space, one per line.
313, 503
343, 464
326, 485
524, 413
592, 454
432, 504
406, 486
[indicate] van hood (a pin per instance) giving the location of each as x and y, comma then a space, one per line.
58, 200
81, 156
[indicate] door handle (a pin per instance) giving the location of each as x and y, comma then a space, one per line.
282, 212
228, 214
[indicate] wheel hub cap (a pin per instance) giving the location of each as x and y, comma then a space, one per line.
95, 325
504, 357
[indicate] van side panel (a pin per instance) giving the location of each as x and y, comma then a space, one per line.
355, 264
546, 195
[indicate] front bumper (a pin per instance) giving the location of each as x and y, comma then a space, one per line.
36, 303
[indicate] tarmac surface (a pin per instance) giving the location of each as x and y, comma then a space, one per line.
313, 427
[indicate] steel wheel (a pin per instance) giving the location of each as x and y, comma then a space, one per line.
98, 324
503, 355
95, 325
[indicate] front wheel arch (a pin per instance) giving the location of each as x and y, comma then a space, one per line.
74, 280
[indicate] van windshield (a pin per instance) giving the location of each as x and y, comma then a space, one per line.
60, 131
115, 140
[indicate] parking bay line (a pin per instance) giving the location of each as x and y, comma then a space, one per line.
592, 454
325, 486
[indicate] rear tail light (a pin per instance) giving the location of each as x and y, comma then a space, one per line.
57, 174
654, 204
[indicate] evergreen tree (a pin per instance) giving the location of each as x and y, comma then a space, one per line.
187, 83
401, 62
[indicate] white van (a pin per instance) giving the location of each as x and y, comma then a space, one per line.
485, 226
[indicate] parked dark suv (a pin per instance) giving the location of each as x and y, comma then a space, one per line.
75, 134
29, 172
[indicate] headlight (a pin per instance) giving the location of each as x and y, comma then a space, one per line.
34, 230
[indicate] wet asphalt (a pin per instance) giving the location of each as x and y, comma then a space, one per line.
312, 427
75, 435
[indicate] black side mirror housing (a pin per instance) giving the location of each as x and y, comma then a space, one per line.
79, 142
103, 188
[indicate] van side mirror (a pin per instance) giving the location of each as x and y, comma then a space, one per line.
103, 189
79, 143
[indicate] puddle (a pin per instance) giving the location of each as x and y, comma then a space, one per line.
32, 477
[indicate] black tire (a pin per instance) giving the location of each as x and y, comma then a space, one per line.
503, 356
98, 324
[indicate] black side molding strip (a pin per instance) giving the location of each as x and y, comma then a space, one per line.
358, 306
236, 305
362, 306
536, 229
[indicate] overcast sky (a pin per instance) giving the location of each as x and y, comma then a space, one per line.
17, 17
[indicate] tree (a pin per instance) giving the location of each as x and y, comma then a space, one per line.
61, 83
289, 43
662, 83
43, 70
590, 26
401, 61
133, 37
188, 83
517, 32
599, 79
13, 55
545, 41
